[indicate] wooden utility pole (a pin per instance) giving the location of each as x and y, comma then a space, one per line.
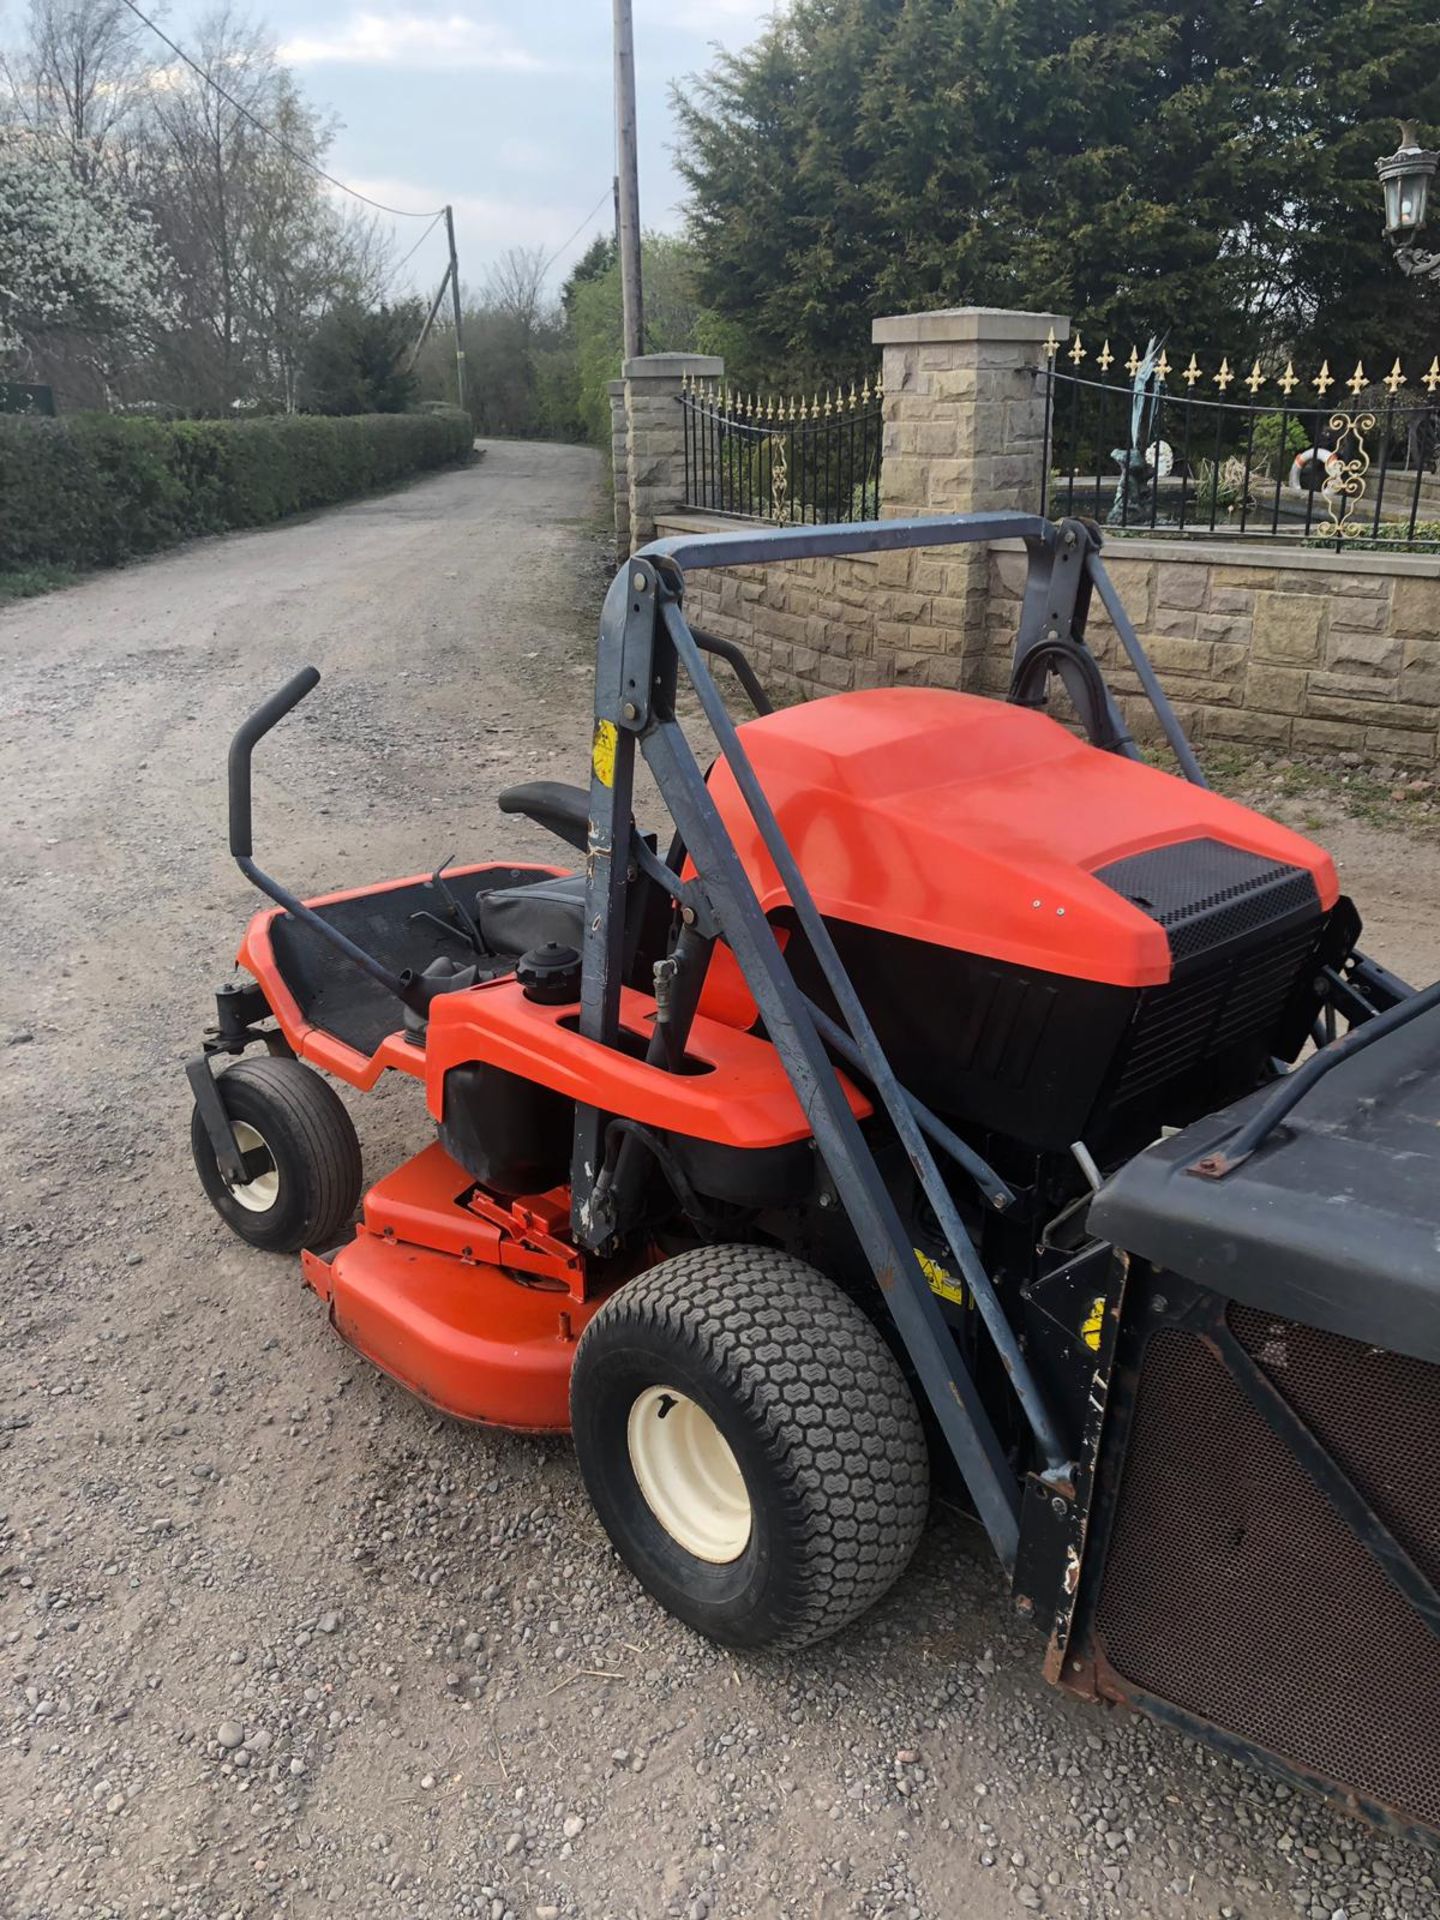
629, 181
455, 309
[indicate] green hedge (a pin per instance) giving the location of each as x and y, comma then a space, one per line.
88, 490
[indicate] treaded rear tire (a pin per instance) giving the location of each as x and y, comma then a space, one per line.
312, 1142
815, 1410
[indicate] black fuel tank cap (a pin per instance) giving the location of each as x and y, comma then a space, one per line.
550, 974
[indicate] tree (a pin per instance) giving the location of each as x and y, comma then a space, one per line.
76, 262
359, 360
673, 322
80, 77
598, 258
192, 250
1204, 166
515, 286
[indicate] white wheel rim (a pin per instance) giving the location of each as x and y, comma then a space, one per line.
688, 1475
261, 1193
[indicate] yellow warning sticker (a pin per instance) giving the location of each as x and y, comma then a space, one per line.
602, 754
941, 1282
1093, 1325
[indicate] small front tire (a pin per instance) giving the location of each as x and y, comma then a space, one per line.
750, 1445
301, 1153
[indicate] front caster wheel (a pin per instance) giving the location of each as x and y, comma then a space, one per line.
301, 1155
750, 1445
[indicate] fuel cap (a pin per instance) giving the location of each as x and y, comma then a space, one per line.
550, 974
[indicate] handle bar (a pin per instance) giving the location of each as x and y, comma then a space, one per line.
412, 989
268, 714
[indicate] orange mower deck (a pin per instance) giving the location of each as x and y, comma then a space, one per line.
474, 1307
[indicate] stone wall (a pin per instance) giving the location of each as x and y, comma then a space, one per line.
1302, 651
822, 626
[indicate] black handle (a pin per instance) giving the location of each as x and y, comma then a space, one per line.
265, 716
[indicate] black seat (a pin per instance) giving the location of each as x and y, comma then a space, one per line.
516, 919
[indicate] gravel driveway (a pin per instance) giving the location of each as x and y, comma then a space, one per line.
273, 1639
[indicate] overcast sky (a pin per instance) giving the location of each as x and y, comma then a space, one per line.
502, 107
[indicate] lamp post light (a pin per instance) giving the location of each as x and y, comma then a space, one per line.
1405, 178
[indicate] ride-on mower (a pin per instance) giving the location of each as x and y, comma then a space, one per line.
925, 1095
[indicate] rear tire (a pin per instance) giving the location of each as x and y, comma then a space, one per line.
303, 1151
750, 1445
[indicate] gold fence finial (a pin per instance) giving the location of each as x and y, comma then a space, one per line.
1132, 365
1193, 373
1225, 375
1323, 379
1394, 379
1077, 351
1162, 366
1357, 381
1052, 347
1255, 379
1288, 380
1431, 379
1105, 359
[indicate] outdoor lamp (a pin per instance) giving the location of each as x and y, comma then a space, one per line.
1405, 177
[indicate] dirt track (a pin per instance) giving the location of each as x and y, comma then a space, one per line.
273, 1640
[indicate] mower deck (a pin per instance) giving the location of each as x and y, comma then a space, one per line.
474, 1307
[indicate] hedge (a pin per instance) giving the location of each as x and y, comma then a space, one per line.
89, 490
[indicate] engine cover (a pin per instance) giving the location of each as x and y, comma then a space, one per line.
1053, 943
966, 823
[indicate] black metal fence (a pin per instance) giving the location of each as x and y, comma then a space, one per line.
1320, 461
788, 461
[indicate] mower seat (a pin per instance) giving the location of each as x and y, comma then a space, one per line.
513, 920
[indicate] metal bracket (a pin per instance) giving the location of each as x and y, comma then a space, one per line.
218, 1130
626, 700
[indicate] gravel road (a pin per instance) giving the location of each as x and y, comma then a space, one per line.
273, 1639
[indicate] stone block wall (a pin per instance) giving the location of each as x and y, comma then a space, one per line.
824, 626
1301, 651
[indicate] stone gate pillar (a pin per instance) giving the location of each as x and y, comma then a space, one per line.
964, 432
656, 437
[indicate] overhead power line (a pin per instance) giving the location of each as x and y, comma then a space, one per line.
577, 233
400, 213
418, 244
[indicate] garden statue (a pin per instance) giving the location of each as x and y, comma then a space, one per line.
1135, 496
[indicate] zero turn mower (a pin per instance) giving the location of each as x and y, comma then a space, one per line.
924, 1095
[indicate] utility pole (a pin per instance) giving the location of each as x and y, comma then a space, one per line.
455, 309
629, 181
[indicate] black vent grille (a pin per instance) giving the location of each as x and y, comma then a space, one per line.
1227, 1004
1206, 894
1233, 1589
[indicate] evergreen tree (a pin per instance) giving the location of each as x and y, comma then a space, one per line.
359, 359
1202, 166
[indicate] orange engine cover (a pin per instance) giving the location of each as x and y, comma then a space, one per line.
970, 824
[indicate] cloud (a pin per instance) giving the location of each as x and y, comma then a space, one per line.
734, 22
413, 40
